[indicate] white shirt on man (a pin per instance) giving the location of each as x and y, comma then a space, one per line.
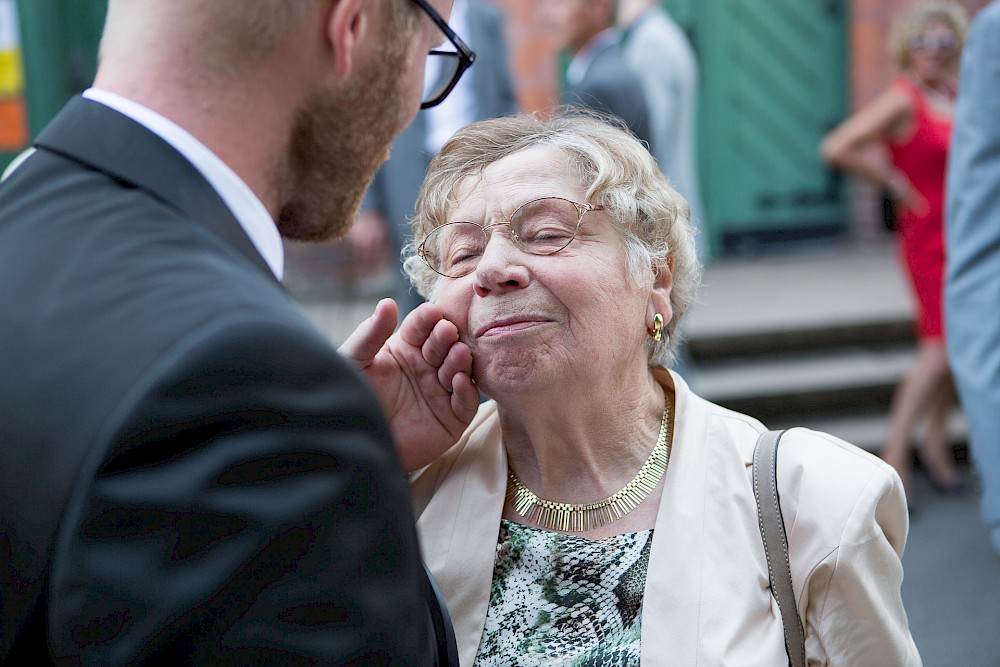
247, 208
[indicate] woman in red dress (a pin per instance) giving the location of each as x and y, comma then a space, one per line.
911, 121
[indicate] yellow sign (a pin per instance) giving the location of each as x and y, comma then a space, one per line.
13, 117
11, 73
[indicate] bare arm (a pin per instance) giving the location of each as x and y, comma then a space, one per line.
854, 145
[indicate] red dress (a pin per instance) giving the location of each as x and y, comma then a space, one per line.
923, 157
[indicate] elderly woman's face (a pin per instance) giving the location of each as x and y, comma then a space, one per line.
533, 322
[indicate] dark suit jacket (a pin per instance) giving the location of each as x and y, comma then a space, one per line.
394, 191
189, 473
610, 87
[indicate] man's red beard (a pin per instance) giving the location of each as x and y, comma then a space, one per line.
338, 142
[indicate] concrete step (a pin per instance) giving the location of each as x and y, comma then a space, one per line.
716, 346
818, 340
854, 379
868, 431
842, 286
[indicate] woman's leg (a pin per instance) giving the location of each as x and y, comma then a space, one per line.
936, 453
916, 394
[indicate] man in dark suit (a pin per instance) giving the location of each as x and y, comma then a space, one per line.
597, 77
189, 473
485, 92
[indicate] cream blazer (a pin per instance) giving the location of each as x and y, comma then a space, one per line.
707, 600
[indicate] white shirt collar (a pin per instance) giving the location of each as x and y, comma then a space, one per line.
246, 207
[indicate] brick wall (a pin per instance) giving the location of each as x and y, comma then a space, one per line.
533, 54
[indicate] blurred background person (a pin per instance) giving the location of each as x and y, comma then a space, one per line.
486, 91
972, 288
912, 120
658, 52
597, 77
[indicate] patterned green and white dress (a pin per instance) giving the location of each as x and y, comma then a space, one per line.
565, 600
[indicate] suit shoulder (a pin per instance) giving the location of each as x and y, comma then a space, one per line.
989, 17
610, 69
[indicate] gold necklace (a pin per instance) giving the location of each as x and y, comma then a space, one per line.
588, 516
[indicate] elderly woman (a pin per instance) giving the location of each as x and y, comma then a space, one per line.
596, 511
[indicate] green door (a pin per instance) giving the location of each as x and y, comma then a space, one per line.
773, 83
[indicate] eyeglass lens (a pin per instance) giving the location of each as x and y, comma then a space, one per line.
439, 72
540, 227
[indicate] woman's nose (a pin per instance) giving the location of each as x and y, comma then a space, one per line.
501, 267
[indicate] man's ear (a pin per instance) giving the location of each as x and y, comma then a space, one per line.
347, 26
659, 297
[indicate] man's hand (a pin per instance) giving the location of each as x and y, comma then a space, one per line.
421, 375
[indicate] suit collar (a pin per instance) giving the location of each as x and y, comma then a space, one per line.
582, 61
129, 152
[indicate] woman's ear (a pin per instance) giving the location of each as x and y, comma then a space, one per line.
659, 296
347, 26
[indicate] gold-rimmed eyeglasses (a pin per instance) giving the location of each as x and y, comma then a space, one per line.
540, 227
447, 66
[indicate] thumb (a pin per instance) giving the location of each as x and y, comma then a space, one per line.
366, 341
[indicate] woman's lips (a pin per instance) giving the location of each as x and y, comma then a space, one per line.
508, 325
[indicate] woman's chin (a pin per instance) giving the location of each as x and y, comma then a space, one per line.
509, 373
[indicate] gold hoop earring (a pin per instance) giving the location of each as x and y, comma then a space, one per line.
656, 333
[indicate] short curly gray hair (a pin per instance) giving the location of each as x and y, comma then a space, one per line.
652, 219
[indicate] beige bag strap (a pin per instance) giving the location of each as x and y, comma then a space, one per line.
772, 530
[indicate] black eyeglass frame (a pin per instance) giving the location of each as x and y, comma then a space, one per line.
581, 211
466, 56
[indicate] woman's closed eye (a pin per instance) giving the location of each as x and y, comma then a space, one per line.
463, 252
544, 232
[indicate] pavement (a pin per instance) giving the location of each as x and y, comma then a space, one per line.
951, 588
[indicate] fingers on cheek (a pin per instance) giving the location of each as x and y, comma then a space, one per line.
460, 356
447, 331
448, 369
415, 332
458, 360
420, 324
439, 343
465, 398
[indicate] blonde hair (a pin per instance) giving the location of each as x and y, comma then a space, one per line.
649, 215
915, 19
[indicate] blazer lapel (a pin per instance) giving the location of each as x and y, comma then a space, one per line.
674, 580
459, 529
707, 591
100, 137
